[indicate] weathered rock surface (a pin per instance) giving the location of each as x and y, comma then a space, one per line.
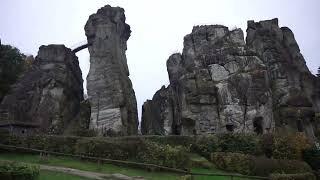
80, 124
221, 83
110, 92
48, 95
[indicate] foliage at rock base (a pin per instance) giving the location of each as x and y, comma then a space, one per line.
18, 171
172, 151
301, 176
260, 166
133, 149
289, 146
165, 155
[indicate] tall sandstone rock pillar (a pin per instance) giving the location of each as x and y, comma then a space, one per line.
112, 98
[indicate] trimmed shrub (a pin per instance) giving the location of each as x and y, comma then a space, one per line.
65, 144
301, 176
173, 140
165, 155
312, 157
18, 171
84, 132
289, 146
260, 166
239, 143
233, 162
108, 148
205, 145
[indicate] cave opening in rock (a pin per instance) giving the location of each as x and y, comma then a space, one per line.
230, 127
258, 125
299, 125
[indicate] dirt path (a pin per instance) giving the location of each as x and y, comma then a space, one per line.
88, 174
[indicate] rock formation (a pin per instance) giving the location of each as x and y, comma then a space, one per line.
221, 83
48, 95
112, 99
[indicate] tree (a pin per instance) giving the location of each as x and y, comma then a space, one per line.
12, 63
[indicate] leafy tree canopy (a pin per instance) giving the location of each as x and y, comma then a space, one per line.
12, 63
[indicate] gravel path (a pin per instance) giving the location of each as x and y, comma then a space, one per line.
88, 174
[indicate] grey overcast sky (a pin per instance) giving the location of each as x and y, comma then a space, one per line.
158, 28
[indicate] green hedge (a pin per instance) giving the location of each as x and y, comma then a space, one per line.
18, 171
289, 146
127, 148
259, 166
237, 143
301, 176
205, 145
165, 155
110, 148
241, 143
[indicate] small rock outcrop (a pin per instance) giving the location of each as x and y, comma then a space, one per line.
48, 94
221, 83
110, 92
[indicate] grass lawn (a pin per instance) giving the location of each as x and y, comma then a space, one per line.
48, 175
103, 168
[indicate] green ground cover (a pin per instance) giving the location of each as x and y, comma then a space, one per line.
102, 168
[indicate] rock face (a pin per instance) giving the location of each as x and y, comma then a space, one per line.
221, 83
48, 95
112, 99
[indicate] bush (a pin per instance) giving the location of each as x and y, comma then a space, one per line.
106, 148
173, 140
301, 176
312, 157
205, 145
233, 162
65, 144
289, 146
260, 166
84, 132
18, 171
165, 155
239, 143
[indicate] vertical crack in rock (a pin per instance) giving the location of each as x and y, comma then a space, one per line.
227, 84
47, 97
110, 92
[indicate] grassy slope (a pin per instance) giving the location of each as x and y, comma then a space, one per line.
104, 168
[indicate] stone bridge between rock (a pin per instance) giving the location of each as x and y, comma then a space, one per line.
80, 46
